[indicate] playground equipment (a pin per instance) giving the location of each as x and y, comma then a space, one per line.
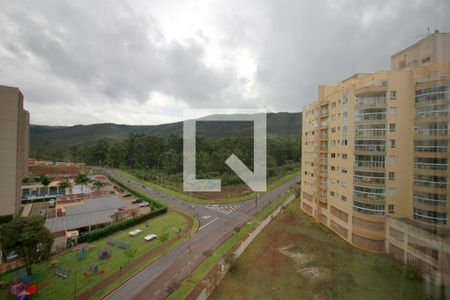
93, 269
82, 253
23, 286
105, 253
119, 244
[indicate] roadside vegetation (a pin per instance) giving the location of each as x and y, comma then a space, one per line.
160, 159
192, 197
296, 258
223, 252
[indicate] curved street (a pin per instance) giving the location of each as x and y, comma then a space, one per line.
216, 224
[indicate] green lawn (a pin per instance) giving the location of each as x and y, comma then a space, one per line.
190, 198
283, 260
54, 287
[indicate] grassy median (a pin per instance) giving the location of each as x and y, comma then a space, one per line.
194, 199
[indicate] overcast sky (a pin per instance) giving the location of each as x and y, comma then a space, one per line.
142, 62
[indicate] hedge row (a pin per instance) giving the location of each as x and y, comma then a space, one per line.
110, 229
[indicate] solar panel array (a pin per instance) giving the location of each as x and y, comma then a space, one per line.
93, 212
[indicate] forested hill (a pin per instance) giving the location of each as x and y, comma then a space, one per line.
52, 141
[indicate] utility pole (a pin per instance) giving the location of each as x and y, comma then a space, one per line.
75, 286
190, 259
256, 204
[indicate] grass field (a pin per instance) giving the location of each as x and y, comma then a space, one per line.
187, 286
192, 198
296, 258
53, 287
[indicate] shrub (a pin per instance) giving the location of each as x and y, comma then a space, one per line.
6, 219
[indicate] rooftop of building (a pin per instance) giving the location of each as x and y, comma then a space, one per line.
90, 212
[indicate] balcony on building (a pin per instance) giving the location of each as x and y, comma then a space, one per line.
370, 147
373, 165
371, 87
377, 100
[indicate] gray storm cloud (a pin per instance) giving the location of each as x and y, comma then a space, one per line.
107, 56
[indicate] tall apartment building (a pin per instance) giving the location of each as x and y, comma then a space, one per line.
375, 158
14, 145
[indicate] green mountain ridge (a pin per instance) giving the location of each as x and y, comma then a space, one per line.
62, 138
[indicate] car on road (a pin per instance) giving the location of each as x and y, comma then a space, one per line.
144, 204
137, 200
135, 232
150, 237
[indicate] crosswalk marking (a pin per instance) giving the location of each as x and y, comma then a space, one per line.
225, 209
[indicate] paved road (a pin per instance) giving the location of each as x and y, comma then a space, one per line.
216, 226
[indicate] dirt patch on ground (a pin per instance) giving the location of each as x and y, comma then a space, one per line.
301, 260
226, 192
315, 273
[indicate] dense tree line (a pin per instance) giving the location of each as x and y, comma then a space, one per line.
144, 152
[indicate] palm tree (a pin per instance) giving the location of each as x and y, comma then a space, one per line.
82, 179
45, 180
64, 185
97, 184
115, 216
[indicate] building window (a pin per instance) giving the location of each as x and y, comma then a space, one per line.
426, 59
393, 111
343, 198
333, 155
344, 156
391, 192
344, 142
392, 143
391, 175
333, 168
392, 160
332, 194
333, 104
393, 95
391, 208
344, 184
392, 127
344, 171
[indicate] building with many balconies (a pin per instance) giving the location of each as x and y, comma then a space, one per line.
375, 158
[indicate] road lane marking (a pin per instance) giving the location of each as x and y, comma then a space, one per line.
157, 292
213, 220
167, 283
175, 275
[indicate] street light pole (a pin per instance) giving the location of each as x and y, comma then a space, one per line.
256, 204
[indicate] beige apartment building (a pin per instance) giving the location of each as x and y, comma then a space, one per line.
14, 145
375, 158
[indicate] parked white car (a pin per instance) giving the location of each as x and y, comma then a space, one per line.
144, 204
135, 232
150, 237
